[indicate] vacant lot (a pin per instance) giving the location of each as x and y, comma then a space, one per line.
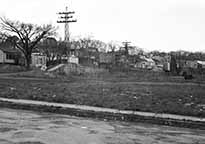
175, 98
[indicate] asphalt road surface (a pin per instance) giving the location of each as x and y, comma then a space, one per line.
27, 127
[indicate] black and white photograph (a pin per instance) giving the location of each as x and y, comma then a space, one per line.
102, 72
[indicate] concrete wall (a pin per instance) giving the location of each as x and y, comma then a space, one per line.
78, 69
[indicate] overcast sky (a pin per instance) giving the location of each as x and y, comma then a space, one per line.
151, 24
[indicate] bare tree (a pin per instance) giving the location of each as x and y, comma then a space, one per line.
49, 47
112, 46
53, 49
29, 35
3, 38
63, 48
89, 43
101, 46
7, 41
84, 42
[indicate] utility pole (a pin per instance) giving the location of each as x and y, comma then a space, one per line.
66, 18
126, 47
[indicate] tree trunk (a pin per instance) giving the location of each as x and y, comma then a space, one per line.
28, 62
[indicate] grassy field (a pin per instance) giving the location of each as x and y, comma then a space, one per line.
119, 91
130, 76
6, 68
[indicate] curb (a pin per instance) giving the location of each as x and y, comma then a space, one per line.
105, 113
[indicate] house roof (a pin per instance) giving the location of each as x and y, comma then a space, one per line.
38, 54
201, 62
158, 58
87, 52
147, 59
9, 50
106, 57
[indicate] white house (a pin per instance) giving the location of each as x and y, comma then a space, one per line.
145, 63
38, 59
9, 56
73, 59
201, 64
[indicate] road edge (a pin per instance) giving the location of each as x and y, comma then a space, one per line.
105, 114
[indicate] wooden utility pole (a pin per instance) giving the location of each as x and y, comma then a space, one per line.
126, 47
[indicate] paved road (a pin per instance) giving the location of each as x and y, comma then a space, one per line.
99, 109
26, 127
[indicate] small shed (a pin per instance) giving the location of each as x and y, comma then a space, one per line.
73, 59
38, 59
